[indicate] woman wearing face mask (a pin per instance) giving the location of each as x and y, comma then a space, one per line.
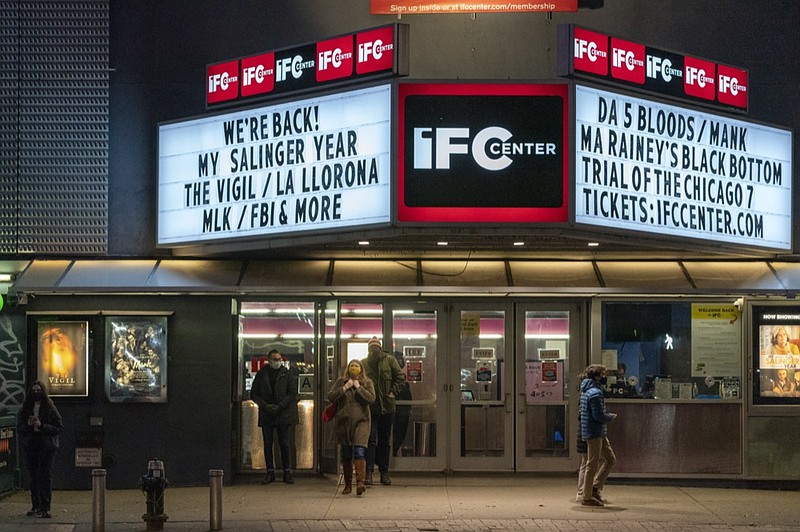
39, 426
353, 393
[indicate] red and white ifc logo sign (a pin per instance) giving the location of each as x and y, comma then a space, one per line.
258, 74
698, 78
335, 58
732, 86
375, 50
223, 81
627, 61
590, 52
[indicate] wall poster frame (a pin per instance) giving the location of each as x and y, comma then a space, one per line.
62, 356
136, 359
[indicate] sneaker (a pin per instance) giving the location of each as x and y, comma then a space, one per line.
33, 511
385, 480
269, 479
591, 502
597, 496
46, 514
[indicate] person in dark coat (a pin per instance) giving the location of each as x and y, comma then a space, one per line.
274, 391
39, 425
353, 394
600, 457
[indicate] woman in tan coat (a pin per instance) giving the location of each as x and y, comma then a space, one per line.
353, 393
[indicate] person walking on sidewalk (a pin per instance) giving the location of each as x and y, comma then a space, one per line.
274, 390
353, 394
39, 425
600, 456
384, 371
581, 447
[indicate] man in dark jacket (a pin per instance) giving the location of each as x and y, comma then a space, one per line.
387, 377
275, 392
600, 456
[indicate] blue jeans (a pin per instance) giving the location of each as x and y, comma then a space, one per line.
283, 443
380, 443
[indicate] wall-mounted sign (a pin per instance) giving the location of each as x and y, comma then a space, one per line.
482, 153
590, 54
355, 56
437, 7
63, 357
646, 166
414, 351
314, 164
136, 359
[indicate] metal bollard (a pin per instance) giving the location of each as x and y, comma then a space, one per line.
215, 499
98, 500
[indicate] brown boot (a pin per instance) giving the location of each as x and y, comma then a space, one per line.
347, 468
361, 472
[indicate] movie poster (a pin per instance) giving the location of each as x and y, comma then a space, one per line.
63, 357
136, 359
776, 357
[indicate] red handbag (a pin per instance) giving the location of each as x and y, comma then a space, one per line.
329, 412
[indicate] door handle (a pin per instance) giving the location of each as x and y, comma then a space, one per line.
508, 403
521, 403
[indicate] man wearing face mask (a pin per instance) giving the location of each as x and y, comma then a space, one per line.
600, 456
275, 392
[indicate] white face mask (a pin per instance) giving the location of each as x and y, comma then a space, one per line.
275, 364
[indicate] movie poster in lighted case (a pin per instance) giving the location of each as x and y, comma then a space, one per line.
776, 355
63, 357
136, 359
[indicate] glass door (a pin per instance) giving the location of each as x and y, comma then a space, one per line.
329, 364
481, 405
546, 401
419, 423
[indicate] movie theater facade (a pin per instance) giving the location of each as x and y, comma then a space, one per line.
496, 236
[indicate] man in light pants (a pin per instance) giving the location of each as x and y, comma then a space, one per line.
600, 456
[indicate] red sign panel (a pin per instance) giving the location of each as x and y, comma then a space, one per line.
627, 60
482, 153
375, 50
591, 52
258, 74
698, 78
732, 86
222, 81
335, 58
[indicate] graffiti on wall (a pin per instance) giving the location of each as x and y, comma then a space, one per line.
12, 366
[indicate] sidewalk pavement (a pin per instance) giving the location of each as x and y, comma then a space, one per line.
423, 502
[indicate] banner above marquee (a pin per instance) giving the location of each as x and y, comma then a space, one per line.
435, 7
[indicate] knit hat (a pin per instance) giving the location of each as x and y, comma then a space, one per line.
374, 341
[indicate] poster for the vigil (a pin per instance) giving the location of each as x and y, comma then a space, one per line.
647, 166
319, 163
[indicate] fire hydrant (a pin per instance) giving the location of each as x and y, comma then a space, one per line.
153, 485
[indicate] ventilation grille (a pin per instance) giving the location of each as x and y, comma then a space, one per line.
55, 95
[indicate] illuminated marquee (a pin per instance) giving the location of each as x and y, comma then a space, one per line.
319, 163
647, 166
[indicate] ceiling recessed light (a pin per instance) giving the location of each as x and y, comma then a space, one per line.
593, 244
363, 242
519, 243
441, 243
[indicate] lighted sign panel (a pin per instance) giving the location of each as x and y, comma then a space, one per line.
482, 153
594, 55
646, 166
776, 355
438, 7
369, 53
314, 164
